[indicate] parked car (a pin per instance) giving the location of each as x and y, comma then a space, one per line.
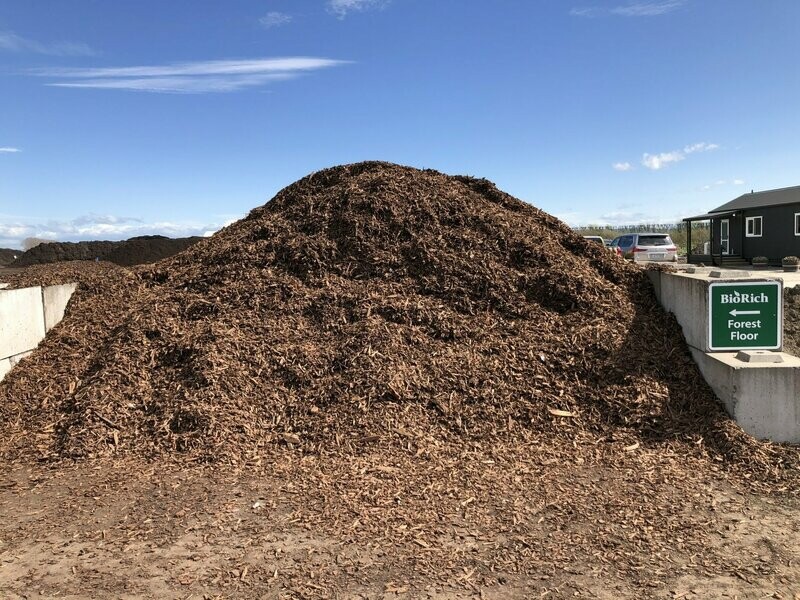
595, 238
600, 240
646, 246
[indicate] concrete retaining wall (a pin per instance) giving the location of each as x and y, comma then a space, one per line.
763, 398
26, 315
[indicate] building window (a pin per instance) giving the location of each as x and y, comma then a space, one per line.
753, 226
797, 223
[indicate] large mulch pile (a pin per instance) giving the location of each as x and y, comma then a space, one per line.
365, 299
436, 373
135, 251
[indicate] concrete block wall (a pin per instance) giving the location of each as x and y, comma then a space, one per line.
686, 297
763, 398
26, 315
54, 302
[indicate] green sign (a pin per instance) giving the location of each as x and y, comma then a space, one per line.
745, 315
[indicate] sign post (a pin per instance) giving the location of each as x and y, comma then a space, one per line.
745, 315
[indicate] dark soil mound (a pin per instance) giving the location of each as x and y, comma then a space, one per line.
135, 251
148, 249
791, 320
52, 252
7, 256
368, 301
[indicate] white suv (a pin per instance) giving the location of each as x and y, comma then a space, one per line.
646, 246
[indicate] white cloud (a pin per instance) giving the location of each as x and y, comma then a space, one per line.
631, 9
622, 166
585, 12
211, 67
14, 43
275, 19
647, 9
717, 183
341, 7
97, 227
9, 150
720, 182
656, 162
179, 85
194, 77
700, 147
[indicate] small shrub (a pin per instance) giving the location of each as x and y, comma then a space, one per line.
791, 260
760, 260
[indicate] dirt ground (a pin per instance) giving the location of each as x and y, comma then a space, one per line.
116, 530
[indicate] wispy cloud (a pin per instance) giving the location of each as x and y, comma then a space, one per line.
9, 150
717, 183
12, 42
98, 227
275, 19
194, 77
586, 11
656, 162
700, 147
631, 9
178, 85
647, 9
622, 166
720, 182
342, 7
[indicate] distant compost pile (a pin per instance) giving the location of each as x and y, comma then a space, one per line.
7, 256
135, 251
364, 301
148, 249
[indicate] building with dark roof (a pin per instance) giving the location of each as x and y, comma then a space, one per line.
756, 224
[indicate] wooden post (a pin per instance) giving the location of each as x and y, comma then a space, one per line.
688, 242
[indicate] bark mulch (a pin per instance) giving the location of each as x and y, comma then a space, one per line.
406, 347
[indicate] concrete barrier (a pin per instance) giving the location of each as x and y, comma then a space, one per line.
55, 299
26, 315
763, 397
21, 320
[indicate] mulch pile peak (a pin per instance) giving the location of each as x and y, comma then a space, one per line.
366, 303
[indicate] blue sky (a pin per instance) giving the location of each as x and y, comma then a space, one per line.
130, 117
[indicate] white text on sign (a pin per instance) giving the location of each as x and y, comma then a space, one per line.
737, 298
744, 336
